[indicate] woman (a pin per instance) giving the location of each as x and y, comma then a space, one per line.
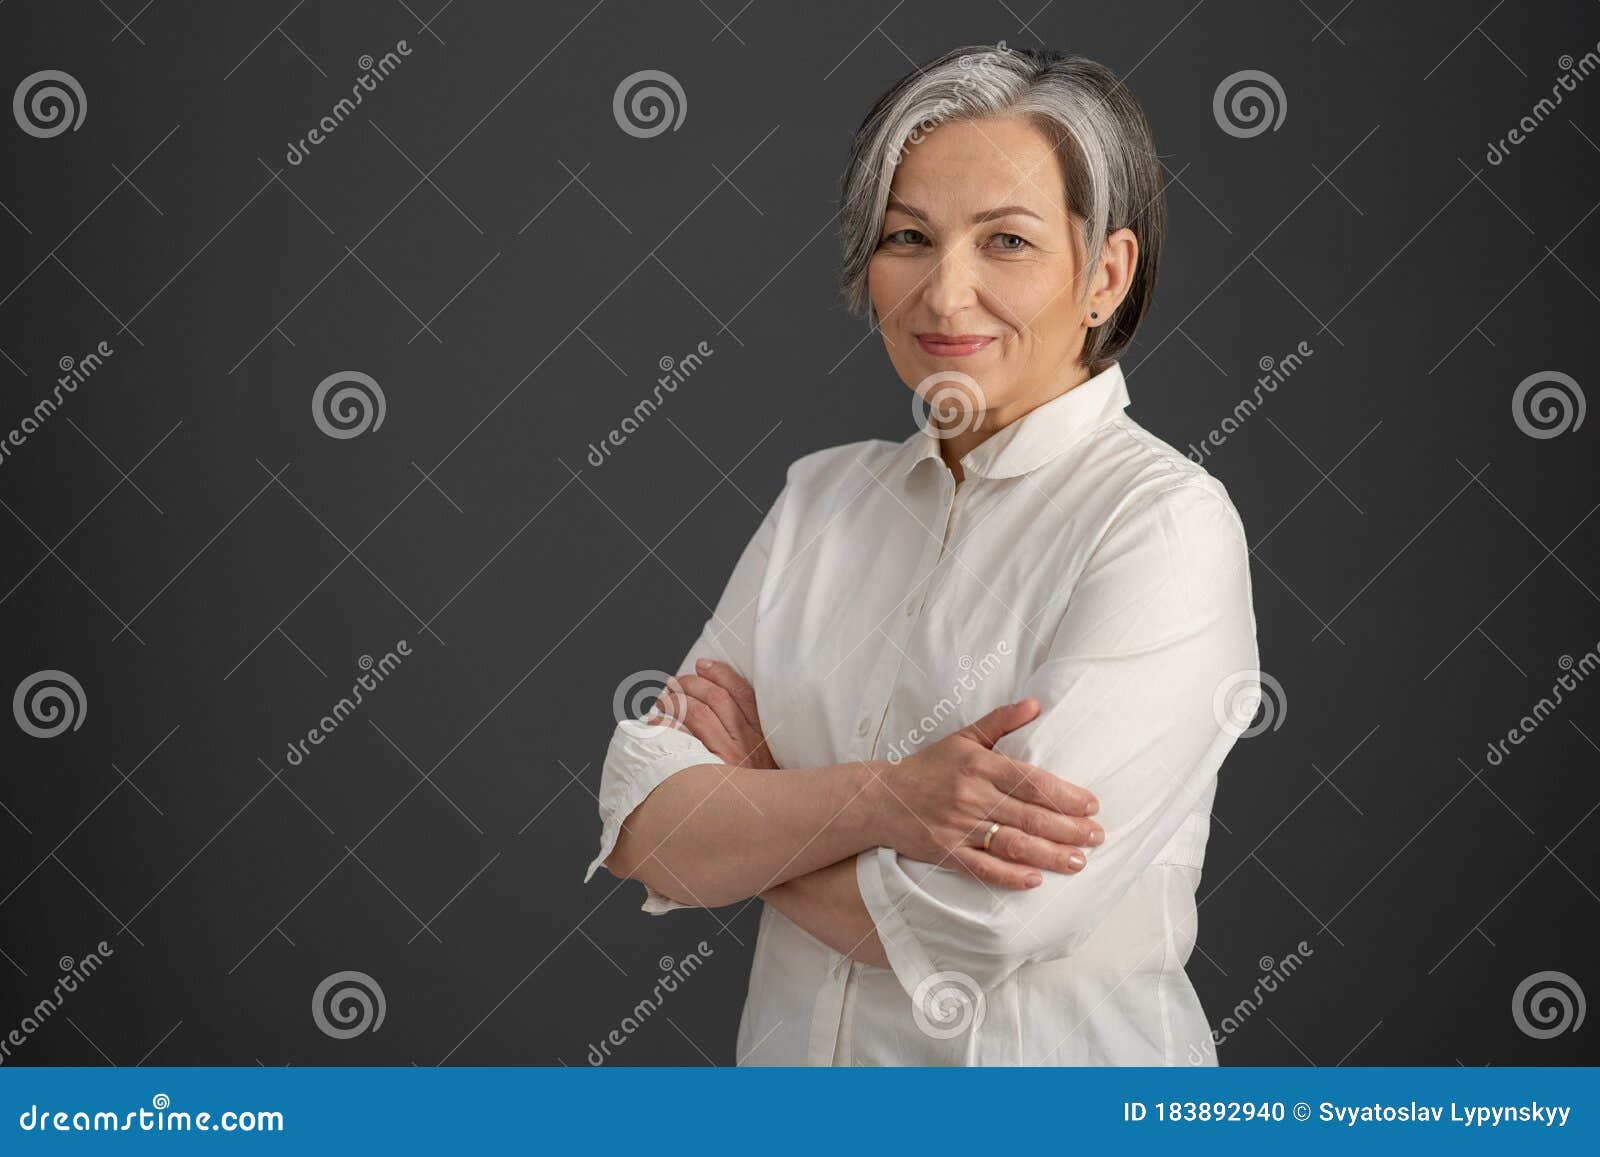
999, 663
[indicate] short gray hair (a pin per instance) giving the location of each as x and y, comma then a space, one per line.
1113, 178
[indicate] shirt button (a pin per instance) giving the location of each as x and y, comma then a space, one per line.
911, 611
863, 727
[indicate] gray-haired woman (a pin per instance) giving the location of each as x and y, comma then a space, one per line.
958, 716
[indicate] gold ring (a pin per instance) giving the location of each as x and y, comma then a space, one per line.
989, 835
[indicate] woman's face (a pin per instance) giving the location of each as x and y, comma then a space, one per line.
977, 245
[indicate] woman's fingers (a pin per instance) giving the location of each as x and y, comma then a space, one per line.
1048, 824
1018, 847
699, 720
996, 872
735, 684
1037, 786
716, 699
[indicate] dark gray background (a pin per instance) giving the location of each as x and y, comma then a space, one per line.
1421, 564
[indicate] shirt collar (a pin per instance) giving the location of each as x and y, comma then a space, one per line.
1036, 437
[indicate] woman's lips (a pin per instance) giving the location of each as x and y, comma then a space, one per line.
953, 345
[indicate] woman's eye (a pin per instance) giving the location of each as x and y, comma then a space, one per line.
905, 237
1010, 242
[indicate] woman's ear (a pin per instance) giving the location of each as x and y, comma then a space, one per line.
1119, 257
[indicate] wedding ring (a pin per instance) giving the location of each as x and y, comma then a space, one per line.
989, 835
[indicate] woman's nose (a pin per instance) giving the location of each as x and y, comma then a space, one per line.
951, 285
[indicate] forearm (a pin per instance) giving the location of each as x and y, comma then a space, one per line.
827, 904
717, 833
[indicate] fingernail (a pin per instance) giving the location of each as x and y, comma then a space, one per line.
1034, 879
1094, 806
1096, 836
1076, 860
702, 665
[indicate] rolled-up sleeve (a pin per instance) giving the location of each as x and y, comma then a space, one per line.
1158, 630
640, 758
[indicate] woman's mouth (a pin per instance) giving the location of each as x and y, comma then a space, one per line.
958, 345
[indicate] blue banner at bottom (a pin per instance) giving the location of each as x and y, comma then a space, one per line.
1234, 1110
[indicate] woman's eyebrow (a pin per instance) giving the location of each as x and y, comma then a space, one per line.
978, 218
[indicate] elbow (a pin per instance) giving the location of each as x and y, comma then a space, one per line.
669, 872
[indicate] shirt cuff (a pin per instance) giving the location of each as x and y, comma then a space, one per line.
910, 962
621, 804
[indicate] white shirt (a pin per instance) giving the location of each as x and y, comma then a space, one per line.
878, 608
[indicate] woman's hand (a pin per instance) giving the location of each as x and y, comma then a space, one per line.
718, 707
942, 802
